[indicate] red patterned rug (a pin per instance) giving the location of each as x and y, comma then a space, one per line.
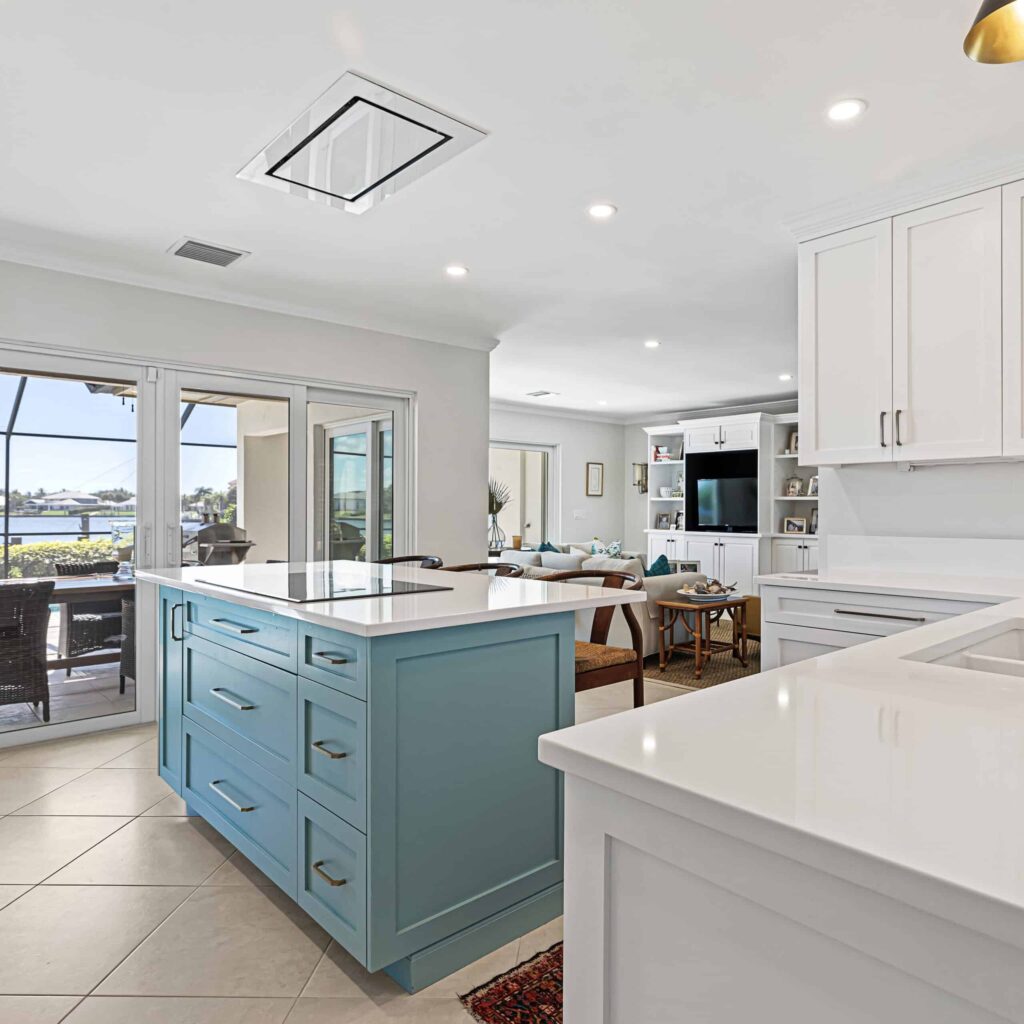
528, 994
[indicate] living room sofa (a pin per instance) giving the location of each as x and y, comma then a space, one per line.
537, 564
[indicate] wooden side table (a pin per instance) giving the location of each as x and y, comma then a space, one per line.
702, 647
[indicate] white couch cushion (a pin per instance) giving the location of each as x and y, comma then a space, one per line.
556, 561
632, 565
520, 557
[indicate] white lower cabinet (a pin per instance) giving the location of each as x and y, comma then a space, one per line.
793, 554
786, 645
726, 557
672, 547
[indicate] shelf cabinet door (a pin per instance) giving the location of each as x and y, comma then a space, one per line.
703, 439
737, 563
704, 551
787, 555
739, 436
1013, 319
845, 330
810, 556
947, 331
657, 545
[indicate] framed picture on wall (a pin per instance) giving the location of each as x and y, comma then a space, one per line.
595, 479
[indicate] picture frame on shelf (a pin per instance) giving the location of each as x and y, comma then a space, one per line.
595, 479
794, 487
814, 520
794, 443
660, 453
680, 519
661, 521
812, 486
687, 566
794, 524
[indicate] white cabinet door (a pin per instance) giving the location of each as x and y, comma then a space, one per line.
705, 551
786, 645
1013, 319
737, 436
947, 334
810, 556
787, 555
675, 548
703, 439
845, 330
737, 563
657, 545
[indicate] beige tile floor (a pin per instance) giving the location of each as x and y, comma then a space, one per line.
116, 908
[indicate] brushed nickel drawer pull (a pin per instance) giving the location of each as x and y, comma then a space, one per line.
218, 692
881, 429
237, 806
879, 615
234, 627
334, 755
174, 608
318, 868
899, 440
331, 657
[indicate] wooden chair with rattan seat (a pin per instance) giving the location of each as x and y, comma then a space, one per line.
598, 664
425, 561
498, 568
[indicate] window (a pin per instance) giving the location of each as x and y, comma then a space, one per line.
524, 471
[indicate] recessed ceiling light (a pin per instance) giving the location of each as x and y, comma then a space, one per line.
456, 270
785, 376
847, 110
651, 343
602, 211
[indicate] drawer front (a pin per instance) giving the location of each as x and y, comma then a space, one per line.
270, 638
331, 755
335, 659
872, 614
244, 702
332, 875
253, 809
786, 645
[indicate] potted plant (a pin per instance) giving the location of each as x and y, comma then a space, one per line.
498, 496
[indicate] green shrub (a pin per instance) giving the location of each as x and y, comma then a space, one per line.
37, 559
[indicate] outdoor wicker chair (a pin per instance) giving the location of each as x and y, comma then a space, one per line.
24, 616
127, 640
88, 625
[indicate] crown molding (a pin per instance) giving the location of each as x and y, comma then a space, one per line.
876, 204
12, 253
502, 405
710, 411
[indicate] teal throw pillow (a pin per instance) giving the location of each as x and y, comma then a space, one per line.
547, 547
659, 567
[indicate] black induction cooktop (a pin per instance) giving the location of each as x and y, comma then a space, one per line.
326, 584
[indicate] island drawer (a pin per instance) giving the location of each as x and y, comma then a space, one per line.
254, 810
857, 612
331, 756
332, 875
244, 702
262, 635
335, 659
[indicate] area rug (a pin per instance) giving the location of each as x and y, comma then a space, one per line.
722, 668
528, 994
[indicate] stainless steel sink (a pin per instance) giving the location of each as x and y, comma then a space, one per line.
998, 648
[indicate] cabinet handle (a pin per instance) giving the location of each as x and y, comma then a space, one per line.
334, 755
219, 693
234, 627
881, 429
899, 442
879, 615
331, 657
318, 868
174, 608
237, 806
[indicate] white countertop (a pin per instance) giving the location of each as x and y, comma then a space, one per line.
474, 597
913, 770
913, 584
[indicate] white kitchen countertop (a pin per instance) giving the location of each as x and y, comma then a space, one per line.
900, 774
474, 597
914, 584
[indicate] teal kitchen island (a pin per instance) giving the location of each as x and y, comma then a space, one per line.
376, 756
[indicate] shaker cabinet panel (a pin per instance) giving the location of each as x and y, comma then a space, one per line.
1013, 319
845, 333
947, 332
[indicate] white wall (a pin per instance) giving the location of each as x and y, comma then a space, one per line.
67, 310
983, 500
577, 442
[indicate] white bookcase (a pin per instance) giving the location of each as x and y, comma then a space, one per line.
791, 552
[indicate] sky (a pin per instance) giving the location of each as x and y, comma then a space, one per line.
55, 406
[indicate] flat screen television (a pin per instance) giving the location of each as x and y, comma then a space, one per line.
729, 504
721, 491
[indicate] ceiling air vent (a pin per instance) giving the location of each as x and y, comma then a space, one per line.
205, 252
357, 145
541, 394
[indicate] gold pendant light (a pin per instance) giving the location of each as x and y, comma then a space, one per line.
997, 35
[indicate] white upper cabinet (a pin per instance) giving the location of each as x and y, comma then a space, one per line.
1013, 319
845, 328
739, 435
947, 336
703, 439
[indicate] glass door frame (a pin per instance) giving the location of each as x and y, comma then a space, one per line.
553, 503
39, 362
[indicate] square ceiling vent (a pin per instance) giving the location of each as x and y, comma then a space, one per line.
358, 144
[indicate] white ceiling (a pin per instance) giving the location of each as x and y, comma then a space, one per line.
123, 125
